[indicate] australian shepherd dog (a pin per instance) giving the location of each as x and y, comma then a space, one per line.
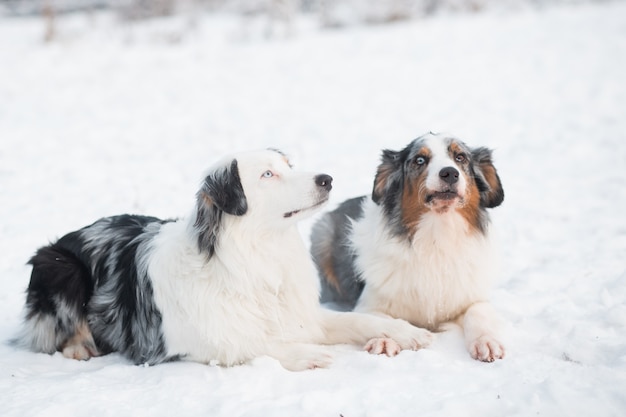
231, 282
419, 248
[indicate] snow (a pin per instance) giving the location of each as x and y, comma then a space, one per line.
111, 119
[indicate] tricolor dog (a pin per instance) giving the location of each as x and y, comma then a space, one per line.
419, 248
231, 282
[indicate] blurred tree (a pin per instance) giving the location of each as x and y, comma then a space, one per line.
144, 9
278, 14
48, 13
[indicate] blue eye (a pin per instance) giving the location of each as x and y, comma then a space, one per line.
420, 160
267, 174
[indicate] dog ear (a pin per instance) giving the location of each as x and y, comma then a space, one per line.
386, 175
487, 179
221, 192
223, 189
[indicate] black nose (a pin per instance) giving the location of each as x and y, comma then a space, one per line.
325, 181
449, 175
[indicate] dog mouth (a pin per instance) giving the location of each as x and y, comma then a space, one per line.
294, 212
442, 196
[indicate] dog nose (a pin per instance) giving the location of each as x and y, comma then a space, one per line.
449, 175
324, 181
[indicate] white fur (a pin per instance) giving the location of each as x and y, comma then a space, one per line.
444, 275
258, 295
432, 280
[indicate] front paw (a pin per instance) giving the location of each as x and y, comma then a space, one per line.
486, 348
419, 339
380, 345
410, 337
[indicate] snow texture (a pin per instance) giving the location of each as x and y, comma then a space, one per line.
113, 119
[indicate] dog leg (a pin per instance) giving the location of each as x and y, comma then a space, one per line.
301, 356
378, 334
480, 326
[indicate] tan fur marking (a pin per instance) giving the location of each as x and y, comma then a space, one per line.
81, 346
455, 149
382, 176
471, 201
414, 202
207, 200
471, 207
489, 172
425, 152
328, 269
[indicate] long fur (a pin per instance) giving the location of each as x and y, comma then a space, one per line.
231, 282
419, 248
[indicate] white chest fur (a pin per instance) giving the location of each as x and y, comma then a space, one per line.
431, 280
232, 307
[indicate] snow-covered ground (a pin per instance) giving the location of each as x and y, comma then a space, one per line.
111, 119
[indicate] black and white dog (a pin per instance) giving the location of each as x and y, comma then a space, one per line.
231, 282
419, 249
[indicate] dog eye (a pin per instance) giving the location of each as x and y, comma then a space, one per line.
420, 160
460, 158
267, 174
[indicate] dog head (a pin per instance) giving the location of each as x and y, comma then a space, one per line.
440, 174
259, 187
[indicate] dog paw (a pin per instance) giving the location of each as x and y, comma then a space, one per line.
420, 338
81, 345
380, 345
486, 348
80, 351
411, 337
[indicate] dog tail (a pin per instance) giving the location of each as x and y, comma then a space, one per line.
56, 305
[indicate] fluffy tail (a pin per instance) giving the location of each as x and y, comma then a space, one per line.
56, 305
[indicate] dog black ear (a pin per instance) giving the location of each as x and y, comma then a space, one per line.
487, 179
386, 175
224, 190
221, 192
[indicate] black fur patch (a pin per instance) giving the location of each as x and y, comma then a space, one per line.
57, 276
221, 192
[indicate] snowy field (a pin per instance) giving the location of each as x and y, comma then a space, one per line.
111, 119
